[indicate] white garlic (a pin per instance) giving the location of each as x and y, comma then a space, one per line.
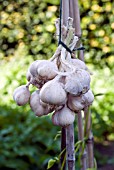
78, 82
78, 64
77, 103
88, 97
47, 69
21, 95
33, 67
28, 75
63, 117
37, 107
53, 93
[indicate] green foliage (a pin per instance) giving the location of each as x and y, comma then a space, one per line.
27, 33
25, 143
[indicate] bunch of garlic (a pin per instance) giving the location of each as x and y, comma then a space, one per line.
63, 83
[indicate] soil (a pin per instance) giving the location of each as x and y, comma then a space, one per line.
104, 153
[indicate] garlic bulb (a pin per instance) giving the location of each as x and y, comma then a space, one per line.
21, 95
37, 107
53, 93
78, 64
28, 75
47, 70
88, 97
77, 103
63, 117
78, 82
33, 67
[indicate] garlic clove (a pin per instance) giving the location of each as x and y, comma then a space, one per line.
36, 105
53, 93
63, 117
21, 95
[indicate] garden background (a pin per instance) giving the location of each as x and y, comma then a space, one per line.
27, 33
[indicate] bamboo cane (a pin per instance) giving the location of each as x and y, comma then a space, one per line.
90, 141
70, 147
65, 15
70, 155
81, 56
63, 146
81, 137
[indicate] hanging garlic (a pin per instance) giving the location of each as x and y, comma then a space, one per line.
36, 105
77, 83
47, 70
53, 93
78, 64
63, 117
77, 103
89, 98
21, 95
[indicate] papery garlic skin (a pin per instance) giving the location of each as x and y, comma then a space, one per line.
78, 64
75, 103
77, 83
88, 97
78, 103
53, 93
47, 70
28, 75
63, 117
21, 95
36, 105
33, 68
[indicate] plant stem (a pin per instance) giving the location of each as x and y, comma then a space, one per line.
89, 135
70, 147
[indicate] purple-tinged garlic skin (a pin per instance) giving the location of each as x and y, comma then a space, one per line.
77, 83
36, 105
88, 97
78, 103
53, 93
21, 95
75, 103
28, 75
63, 117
